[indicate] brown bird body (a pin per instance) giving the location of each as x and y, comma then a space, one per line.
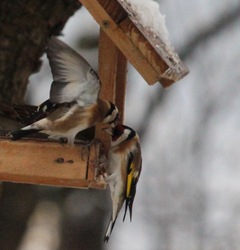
68, 121
123, 170
74, 97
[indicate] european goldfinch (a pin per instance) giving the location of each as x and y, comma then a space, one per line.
74, 97
123, 168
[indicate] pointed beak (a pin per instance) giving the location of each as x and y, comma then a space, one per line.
115, 122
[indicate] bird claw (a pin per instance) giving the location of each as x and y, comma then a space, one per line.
99, 164
85, 149
101, 167
9, 135
63, 140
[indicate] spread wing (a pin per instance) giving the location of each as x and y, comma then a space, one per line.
15, 116
42, 111
73, 77
133, 172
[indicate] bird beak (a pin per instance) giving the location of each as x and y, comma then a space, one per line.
116, 122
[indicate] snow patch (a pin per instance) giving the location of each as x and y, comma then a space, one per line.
147, 13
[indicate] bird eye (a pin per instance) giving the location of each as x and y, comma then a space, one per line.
93, 72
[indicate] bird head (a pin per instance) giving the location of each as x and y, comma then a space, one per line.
120, 133
112, 116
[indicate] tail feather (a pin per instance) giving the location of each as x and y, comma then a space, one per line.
125, 212
109, 230
18, 134
128, 206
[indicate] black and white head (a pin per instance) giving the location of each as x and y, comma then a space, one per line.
112, 116
121, 133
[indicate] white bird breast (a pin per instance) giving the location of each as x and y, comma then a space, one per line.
114, 162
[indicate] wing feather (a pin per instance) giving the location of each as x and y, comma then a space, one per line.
133, 172
73, 77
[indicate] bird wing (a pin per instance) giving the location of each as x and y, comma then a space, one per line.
41, 111
73, 77
133, 172
17, 112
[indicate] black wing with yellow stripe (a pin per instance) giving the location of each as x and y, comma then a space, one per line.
133, 172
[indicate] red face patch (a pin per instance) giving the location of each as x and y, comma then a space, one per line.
117, 132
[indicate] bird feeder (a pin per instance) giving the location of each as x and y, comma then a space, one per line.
122, 39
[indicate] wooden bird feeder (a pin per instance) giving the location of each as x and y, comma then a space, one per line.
121, 39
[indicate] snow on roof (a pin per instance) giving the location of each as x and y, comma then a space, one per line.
147, 13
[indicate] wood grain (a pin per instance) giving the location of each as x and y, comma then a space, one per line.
120, 39
121, 83
147, 53
113, 73
48, 163
107, 70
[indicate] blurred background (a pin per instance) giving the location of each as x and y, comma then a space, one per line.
188, 193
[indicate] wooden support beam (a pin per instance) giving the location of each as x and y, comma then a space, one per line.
145, 52
121, 84
47, 163
112, 71
107, 66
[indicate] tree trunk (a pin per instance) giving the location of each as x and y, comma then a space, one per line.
25, 27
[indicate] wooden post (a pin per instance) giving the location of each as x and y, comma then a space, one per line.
121, 84
112, 71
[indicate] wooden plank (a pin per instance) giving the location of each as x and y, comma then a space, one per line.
162, 57
107, 68
121, 83
96, 150
144, 46
146, 52
112, 72
114, 9
120, 39
41, 162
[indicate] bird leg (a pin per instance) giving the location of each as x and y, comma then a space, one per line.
100, 161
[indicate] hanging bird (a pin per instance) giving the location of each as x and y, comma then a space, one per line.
123, 168
74, 97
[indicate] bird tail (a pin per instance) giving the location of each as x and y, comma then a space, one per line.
109, 230
128, 205
18, 134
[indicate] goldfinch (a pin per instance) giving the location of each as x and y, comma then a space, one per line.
123, 168
74, 97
